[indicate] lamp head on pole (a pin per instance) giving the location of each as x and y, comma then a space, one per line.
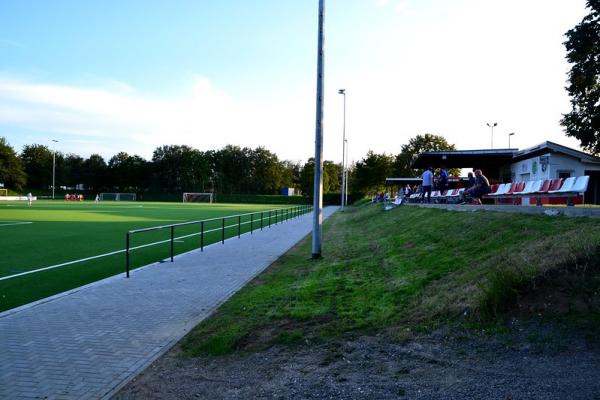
511, 134
492, 125
342, 91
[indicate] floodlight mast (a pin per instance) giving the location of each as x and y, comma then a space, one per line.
54, 141
318, 183
492, 125
509, 135
343, 194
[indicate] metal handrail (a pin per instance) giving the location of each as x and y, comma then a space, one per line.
295, 212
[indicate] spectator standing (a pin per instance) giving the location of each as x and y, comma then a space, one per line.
427, 184
443, 181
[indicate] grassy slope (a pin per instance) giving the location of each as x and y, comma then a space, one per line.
407, 268
63, 232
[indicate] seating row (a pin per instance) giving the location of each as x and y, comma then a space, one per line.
452, 195
570, 187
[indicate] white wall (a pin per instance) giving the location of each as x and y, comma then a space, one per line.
533, 168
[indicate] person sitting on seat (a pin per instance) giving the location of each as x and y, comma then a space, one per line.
481, 187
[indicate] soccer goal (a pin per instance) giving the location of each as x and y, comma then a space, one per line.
197, 197
117, 197
3, 192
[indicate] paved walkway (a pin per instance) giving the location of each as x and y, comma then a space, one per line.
89, 343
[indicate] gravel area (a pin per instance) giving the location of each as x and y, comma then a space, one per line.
526, 364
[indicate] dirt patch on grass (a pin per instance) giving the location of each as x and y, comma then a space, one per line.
446, 364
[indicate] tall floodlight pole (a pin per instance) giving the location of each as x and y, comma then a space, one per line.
492, 125
343, 199
509, 135
346, 180
54, 141
318, 184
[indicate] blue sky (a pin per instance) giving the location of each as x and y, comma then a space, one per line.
106, 76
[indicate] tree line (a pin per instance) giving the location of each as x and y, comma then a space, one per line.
180, 168
172, 169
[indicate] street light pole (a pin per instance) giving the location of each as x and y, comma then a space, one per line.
492, 125
509, 135
54, 141
343, 199
318, 183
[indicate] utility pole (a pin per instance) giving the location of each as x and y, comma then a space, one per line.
318, 184
343, 199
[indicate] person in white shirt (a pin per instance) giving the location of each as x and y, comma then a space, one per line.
29, 198
427, 185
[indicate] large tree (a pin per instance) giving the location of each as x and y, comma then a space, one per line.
12, 173
369, 174
38, 162
414, 147
95, 173
583, 52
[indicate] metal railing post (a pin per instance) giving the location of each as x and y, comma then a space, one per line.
239, 225
223, 232
202, 236
127, 256
261, 220
269, 218
251, 222
172, 241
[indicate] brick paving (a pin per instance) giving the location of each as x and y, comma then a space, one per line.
89, 343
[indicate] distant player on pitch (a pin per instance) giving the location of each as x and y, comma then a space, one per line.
29, 199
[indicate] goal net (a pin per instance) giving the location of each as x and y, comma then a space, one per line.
197, 197
117, 196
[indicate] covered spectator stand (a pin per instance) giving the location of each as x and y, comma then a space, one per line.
493, 163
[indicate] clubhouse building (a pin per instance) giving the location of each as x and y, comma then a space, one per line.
545, 161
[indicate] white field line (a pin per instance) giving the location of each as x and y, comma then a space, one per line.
122, 251
11, 223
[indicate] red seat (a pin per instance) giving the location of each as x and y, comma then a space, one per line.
556, 184
545, 186
494, 189
513, 188
548, 185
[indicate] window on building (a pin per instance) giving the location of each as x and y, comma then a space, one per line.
564, 174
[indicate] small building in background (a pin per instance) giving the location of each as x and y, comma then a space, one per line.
288, 191
546, 160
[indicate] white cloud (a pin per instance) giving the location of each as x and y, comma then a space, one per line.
123, 119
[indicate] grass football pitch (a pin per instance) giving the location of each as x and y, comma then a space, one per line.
51, 233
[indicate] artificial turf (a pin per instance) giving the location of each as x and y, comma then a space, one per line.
60, 232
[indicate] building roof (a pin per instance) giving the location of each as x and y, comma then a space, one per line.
484, 159
551, 147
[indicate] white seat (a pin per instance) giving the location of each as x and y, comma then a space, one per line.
502, 189
566, 186
534, 187
580, 186
526, 189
